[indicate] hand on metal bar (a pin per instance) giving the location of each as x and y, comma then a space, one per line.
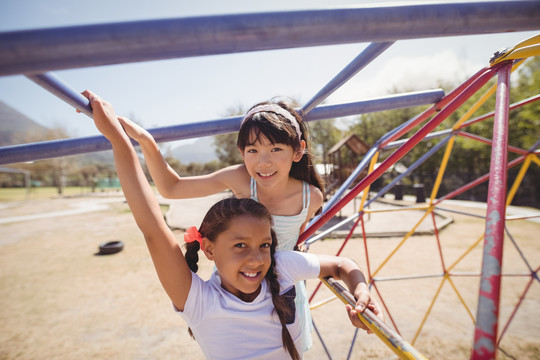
372, 322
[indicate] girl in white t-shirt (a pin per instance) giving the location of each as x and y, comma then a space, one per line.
244, 311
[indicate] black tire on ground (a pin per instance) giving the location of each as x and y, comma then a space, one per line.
110, 247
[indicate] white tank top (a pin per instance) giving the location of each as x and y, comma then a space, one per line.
287, 228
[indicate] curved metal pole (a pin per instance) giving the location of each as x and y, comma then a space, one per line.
57, 148
55, 85
361, 61
39, 51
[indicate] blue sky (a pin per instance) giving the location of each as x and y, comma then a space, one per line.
168, 92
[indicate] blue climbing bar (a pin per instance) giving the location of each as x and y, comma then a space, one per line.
65, 147
43, 50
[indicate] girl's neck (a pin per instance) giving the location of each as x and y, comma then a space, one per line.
284, 199
245, 297
280, 190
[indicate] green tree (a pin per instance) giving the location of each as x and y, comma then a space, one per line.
323, 135
225, 144
470, 158
226, 149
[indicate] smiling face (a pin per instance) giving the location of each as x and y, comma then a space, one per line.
242, 255
268, 163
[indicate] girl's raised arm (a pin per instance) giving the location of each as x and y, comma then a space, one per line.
170, 264
168, 182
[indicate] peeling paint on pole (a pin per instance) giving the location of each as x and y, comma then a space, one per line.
485, 336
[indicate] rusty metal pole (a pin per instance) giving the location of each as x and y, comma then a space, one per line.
485, 335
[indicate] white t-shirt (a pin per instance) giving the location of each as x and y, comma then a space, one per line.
228, 328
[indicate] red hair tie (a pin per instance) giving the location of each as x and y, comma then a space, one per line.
192, 234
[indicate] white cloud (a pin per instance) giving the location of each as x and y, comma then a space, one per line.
407, 73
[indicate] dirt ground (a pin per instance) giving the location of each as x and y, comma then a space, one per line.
59, 300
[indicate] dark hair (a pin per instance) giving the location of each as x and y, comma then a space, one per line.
279, 130
216, 221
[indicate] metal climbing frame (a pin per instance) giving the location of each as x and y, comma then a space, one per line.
487, 338
37, 52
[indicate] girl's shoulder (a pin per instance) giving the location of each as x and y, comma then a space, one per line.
296, 265
316, 198
237, 179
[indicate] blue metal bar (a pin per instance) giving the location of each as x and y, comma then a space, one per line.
322, 341
55, 85
323, 234
346, 184
361, 61
75, 146
57, 148
397, 129
435, 134
535, 146
460, 212
518, 249
39, 51
352, 344
390, 102
410, 169
358, 170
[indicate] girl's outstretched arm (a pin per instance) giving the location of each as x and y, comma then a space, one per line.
170, 264
341, 268
168, 182
163, 175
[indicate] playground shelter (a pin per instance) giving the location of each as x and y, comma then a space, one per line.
35, 53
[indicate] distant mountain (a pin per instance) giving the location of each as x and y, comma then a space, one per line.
14, 125
201, 151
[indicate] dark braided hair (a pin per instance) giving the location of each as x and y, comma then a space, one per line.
279, 130
216, 221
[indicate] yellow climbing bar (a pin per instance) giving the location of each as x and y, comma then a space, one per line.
366, 190
321, 303
476, 106
429, 309
526, 48
518, 179
442, 169
465, 253
393, 340
536, 160
407, 236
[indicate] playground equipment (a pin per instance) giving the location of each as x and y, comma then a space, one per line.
486, 321
37, 52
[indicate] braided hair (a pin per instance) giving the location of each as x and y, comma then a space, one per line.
216, 221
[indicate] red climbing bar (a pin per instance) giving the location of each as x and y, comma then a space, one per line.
513, 149
485, 335
433, 109
511, 107
474, 183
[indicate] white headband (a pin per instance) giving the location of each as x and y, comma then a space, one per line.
278, 110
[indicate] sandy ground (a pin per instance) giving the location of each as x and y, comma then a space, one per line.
59, 300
